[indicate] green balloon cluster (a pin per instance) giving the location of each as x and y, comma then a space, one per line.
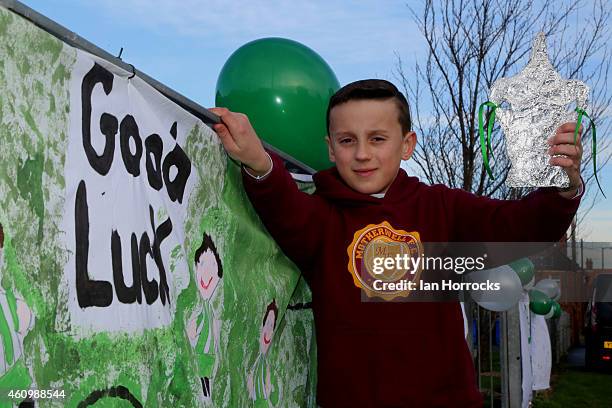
539, 303
543, 295
542, 298
525, 270
284, 88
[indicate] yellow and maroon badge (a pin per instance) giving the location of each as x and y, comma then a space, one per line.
383, 261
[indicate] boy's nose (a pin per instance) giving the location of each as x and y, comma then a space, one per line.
363, 151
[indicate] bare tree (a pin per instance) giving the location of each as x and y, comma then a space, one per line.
470, 44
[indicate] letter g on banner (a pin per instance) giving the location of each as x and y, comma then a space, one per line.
108, 123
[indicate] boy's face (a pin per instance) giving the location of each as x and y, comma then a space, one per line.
367, 144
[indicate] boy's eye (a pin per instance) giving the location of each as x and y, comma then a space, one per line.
345, 140
378, 138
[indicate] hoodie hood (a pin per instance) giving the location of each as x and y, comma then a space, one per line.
331, 186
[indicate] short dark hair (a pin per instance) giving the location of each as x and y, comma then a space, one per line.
271, 308
373, 89
208, 244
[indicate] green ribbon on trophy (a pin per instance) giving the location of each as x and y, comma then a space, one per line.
485, 140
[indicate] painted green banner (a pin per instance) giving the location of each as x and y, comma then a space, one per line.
134, 271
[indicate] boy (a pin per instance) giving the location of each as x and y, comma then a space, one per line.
386, 354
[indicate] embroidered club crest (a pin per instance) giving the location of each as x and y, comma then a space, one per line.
374, 244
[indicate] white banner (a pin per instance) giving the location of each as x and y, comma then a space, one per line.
125, 148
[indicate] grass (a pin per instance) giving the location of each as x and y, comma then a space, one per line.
577, 388
571, 387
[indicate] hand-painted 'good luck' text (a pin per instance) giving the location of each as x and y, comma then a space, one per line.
171, 171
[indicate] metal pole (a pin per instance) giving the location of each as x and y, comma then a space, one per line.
491, 336
512, 369
478, 347
503, 362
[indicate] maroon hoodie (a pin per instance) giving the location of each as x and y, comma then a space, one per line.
391, 354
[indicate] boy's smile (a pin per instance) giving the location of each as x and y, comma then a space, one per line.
367, 144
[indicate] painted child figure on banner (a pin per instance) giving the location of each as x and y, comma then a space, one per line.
203, 327
16, 320
261, 382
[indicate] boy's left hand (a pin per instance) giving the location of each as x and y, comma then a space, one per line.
563, 143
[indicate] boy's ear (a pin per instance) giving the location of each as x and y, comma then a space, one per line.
330, 149
408, 145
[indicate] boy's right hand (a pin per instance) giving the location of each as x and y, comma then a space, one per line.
240, 140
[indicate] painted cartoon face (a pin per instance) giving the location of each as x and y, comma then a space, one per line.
267, 331
207, 274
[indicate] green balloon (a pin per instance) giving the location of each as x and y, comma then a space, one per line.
539, 303
524, 268
284, 88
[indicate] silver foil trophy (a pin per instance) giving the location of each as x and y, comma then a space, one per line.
538, 102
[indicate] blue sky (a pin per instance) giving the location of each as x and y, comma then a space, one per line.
184, 44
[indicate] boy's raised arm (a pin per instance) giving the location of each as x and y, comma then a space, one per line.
295, 220
541, 216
